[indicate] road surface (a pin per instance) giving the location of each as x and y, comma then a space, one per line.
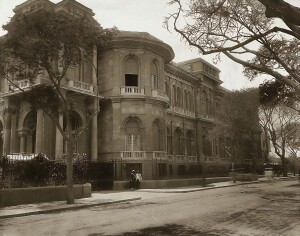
254, 209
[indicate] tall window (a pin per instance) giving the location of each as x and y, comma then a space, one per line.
156, 137
169, 141
174, 95
204, 103
154, 76
179, 99
132, 136
167, 90
206, 146
186, 103
189, 143
131, 72
177, 140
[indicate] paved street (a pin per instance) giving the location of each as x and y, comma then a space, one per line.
254, 209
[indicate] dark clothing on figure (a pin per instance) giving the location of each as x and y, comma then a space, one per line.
132, 182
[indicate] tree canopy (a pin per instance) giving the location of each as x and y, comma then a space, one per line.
261, 35
45, 45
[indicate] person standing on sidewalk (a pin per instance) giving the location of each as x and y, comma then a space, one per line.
132, 183
138, 177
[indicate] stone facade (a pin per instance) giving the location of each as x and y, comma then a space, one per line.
155, 114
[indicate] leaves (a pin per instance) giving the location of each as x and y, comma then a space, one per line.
274, 92
240, 30
44, 97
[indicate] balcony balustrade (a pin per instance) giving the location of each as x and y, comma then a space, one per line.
159, 155
182, 111
207, 117
82, 86
132, 91
180, 158
133, 155
160, 95
192, 159
23, 84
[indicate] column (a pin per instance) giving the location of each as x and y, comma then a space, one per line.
29, 148
22, 136
94, 66
59, 141
13, 134
94, 133
7, 132
39, 143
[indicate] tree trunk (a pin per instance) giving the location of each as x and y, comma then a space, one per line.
70, 191
284, 166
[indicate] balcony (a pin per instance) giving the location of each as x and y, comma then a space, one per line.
180, 158
133, 155
182, 111
81, 86
159, 155
207, 117
192, 159
160, 95
132, 91
21, 85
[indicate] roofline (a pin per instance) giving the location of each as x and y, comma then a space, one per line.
198, 59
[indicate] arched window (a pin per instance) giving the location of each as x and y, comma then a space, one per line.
154, 76
191, 102
76, 124
174, 95
204, 103
189, 143
30, 125
156, 137
169, 141
132, 135
206, 146
167, 90
131, 72
186, 103
178, 97
177, 139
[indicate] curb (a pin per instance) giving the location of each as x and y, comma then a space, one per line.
67, 208
224, 186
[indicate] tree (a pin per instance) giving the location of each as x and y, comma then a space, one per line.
239, 127
248, 32
45, 44
275, 92
280, 126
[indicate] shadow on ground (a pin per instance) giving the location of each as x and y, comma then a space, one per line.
168, 230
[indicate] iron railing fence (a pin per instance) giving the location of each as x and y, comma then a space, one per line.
39, 172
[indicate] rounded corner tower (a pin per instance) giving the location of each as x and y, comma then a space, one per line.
133, 111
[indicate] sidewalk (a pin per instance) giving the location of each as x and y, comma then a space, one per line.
105, 198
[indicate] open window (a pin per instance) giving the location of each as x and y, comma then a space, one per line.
131, 73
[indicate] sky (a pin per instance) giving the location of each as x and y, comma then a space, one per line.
147, 16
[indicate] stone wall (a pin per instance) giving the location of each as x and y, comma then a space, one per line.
12, 197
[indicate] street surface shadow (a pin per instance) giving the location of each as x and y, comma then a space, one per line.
169, 230
294, 185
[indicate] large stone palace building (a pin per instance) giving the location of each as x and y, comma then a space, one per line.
155, 114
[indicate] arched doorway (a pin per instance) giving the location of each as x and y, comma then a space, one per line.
29, 129
76, 127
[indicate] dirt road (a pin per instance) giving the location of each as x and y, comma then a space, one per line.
255, 209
